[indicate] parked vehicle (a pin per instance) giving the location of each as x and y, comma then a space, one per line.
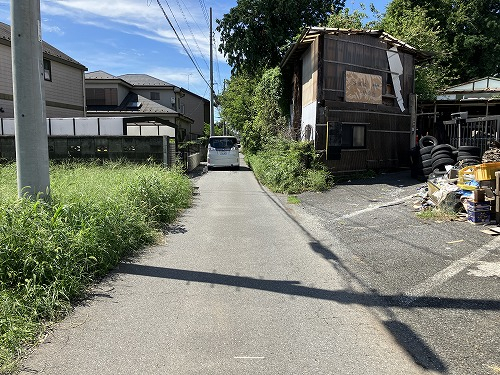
223, 151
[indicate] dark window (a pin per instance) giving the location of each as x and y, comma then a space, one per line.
222, 143
353, 135
47, 71
100, 96
154, 95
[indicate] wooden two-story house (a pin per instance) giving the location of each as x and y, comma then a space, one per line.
353, 96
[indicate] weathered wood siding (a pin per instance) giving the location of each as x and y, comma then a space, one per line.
388, 129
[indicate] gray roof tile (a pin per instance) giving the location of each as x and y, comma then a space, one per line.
143, 80
99, 74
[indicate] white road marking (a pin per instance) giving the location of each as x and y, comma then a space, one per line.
375, 207
486, 269
442, 276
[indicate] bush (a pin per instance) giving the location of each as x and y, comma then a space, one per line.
50, 252
287, 166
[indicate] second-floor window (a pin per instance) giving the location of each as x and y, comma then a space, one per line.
101, 96
154, 95
47, 70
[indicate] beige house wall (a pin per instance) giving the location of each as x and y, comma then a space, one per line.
64, 95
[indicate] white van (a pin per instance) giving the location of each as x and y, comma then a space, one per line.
223, 151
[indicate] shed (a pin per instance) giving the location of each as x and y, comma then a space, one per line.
479, 98
353, 96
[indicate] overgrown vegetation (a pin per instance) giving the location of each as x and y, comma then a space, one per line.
290, 167
438, 214
50, 252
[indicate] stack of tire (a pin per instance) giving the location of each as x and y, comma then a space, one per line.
441, 156
469, 155
432, 157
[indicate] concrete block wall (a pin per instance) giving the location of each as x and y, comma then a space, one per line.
160, 149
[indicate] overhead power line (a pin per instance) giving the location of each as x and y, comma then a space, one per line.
191, 30
182, 43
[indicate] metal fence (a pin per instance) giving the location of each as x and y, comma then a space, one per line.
480, 131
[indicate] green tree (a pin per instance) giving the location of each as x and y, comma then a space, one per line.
268, 111
413, 26
469, 30
255, 33
236, 100
344, 19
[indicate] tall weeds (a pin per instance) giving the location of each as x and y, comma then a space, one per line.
287, 166
51, 251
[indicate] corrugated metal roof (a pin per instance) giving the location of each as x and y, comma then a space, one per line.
5, 35
486, 84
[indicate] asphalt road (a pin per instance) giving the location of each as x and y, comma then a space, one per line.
244, 284
438, 282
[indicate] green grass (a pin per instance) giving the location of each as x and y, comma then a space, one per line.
293, 199
437, 214
290, 167
50, 252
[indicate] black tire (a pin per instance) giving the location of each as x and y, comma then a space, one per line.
427, 163
442, 147
469, 150
442, 154
441, 162
425, 157
427, 140
472, 149
426, 150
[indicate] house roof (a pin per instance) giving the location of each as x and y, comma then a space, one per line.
143, 80
310, 34
486, 84
135, 104
48, 50
99, 74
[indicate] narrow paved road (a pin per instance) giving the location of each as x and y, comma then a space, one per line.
239, 287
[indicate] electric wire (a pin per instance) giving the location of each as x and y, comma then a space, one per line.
191, 31
182, 44
181, 32
205, 13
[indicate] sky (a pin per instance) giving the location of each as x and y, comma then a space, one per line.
134, 36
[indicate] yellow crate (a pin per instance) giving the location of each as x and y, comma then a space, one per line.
466, 178
486, 171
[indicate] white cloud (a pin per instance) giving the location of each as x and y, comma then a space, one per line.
52, 29
138, 18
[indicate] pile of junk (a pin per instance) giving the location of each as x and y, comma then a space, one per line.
462, 179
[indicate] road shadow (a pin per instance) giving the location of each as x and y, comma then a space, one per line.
294, 288
415, 346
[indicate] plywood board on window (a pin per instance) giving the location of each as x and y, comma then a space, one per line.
363, 88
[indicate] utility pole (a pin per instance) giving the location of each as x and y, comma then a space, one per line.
211, 79
32, 155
